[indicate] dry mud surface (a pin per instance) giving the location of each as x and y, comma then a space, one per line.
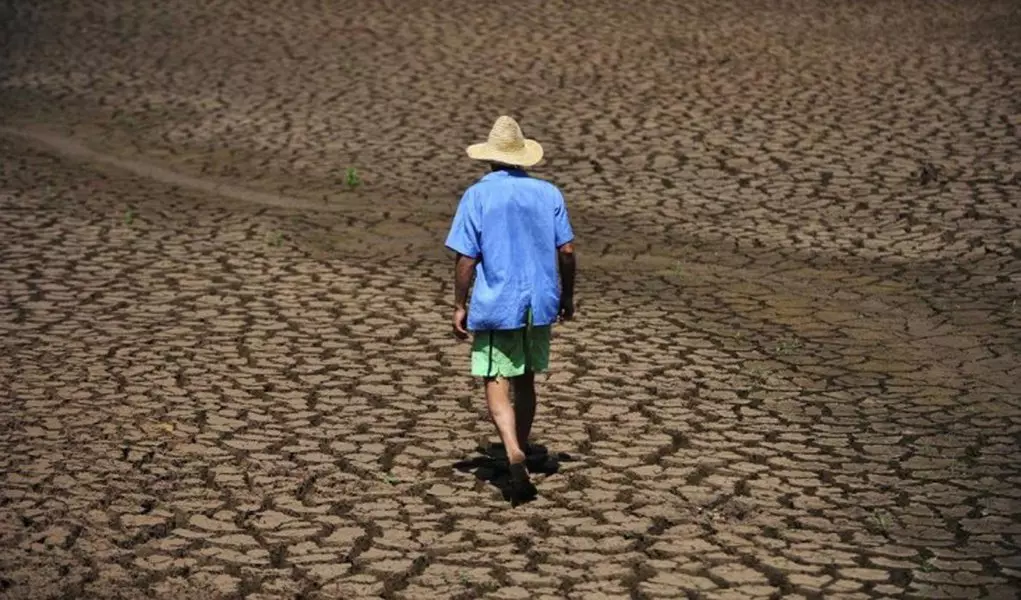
796, 370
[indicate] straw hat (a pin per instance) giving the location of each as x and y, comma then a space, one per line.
507, 145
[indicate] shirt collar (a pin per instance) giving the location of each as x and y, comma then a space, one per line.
503, 173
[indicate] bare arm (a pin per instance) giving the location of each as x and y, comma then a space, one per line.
566, 261
464, 269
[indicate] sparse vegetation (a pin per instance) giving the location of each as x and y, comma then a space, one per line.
123, 119
788, 346
674, 271
879, 522
129, 216
760, 374
351, 178
929, 173
275, 239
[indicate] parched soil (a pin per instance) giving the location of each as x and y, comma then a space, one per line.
227, 372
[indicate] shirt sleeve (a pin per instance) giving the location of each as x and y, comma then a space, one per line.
562, 223
465, 235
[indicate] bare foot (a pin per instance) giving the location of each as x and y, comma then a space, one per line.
515, 458
522, 489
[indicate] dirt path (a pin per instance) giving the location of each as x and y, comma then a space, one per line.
74, 149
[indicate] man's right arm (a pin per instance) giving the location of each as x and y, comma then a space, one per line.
463, 239
566, 261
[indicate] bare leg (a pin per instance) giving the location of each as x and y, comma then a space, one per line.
524, 407
502, 413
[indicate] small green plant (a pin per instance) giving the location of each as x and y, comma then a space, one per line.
928, 173
351, 178
788, 346
674, 271
760, 374
276, 238
927, 566
390, 478
879, 522
129, 216
121, 118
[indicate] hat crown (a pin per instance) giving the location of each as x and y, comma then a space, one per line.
507, 145
506, 135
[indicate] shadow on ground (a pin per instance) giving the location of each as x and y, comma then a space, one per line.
490, 465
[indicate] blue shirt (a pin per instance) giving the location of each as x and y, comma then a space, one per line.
513, 225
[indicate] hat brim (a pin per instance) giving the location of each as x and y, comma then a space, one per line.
530, 154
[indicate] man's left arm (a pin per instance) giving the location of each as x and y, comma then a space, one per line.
565, 259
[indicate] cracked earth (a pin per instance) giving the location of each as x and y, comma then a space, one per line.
227, 373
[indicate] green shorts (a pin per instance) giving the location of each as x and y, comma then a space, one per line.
510, 353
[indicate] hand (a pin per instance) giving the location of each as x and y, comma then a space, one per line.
460, 323
566, 308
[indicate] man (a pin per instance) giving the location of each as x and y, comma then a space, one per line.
512, 233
